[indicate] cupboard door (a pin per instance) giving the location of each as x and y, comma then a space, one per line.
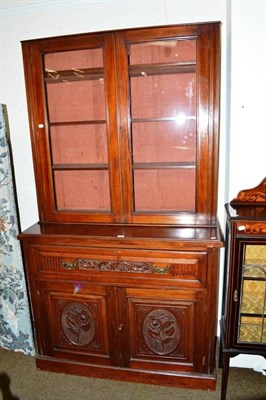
72, 322
162, 326
74, 118
252, 303
165, 81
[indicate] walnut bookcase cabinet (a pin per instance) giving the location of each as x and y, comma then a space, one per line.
122, 266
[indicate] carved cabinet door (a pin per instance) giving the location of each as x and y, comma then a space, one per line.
165, 328
73, 321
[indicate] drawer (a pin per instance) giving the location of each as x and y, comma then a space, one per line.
190, 267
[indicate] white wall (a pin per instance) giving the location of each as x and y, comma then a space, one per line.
243, 133
248, 95
246, 117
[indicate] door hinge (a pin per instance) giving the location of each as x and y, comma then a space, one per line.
235, 295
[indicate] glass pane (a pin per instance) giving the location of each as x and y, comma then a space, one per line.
251, 330
164, 96
164, 190
163, 125
75, 93
252, 319
253, 295
76, 101
78, 144
169, 141
83, 190
73, 60
163, 51
75, 85
255, 255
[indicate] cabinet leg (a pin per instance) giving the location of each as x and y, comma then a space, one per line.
225, 372
220, 359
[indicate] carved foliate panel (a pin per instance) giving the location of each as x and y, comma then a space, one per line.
179, 270
162, 330
116, 266
80, 323
77, 324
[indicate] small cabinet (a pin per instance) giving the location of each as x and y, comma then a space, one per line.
243, 323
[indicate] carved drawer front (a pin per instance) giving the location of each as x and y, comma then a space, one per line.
183, 266
74, 322
162, 329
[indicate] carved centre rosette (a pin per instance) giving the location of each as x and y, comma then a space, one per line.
161, 331
77, 324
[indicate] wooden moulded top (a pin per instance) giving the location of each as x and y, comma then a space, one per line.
167, 237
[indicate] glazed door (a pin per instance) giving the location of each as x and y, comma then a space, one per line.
125, 125
163, 329
251, 329
164, 108
74, 119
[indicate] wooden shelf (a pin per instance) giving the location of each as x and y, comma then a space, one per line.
162, 119
88, 122
162, 69
66, 167
73, 75
168, 165
165, 165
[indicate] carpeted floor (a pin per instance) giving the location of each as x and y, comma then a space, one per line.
20, 380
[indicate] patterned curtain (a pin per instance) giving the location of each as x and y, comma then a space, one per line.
15, 322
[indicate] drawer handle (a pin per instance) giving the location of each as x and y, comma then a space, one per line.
161, 270
69, 265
